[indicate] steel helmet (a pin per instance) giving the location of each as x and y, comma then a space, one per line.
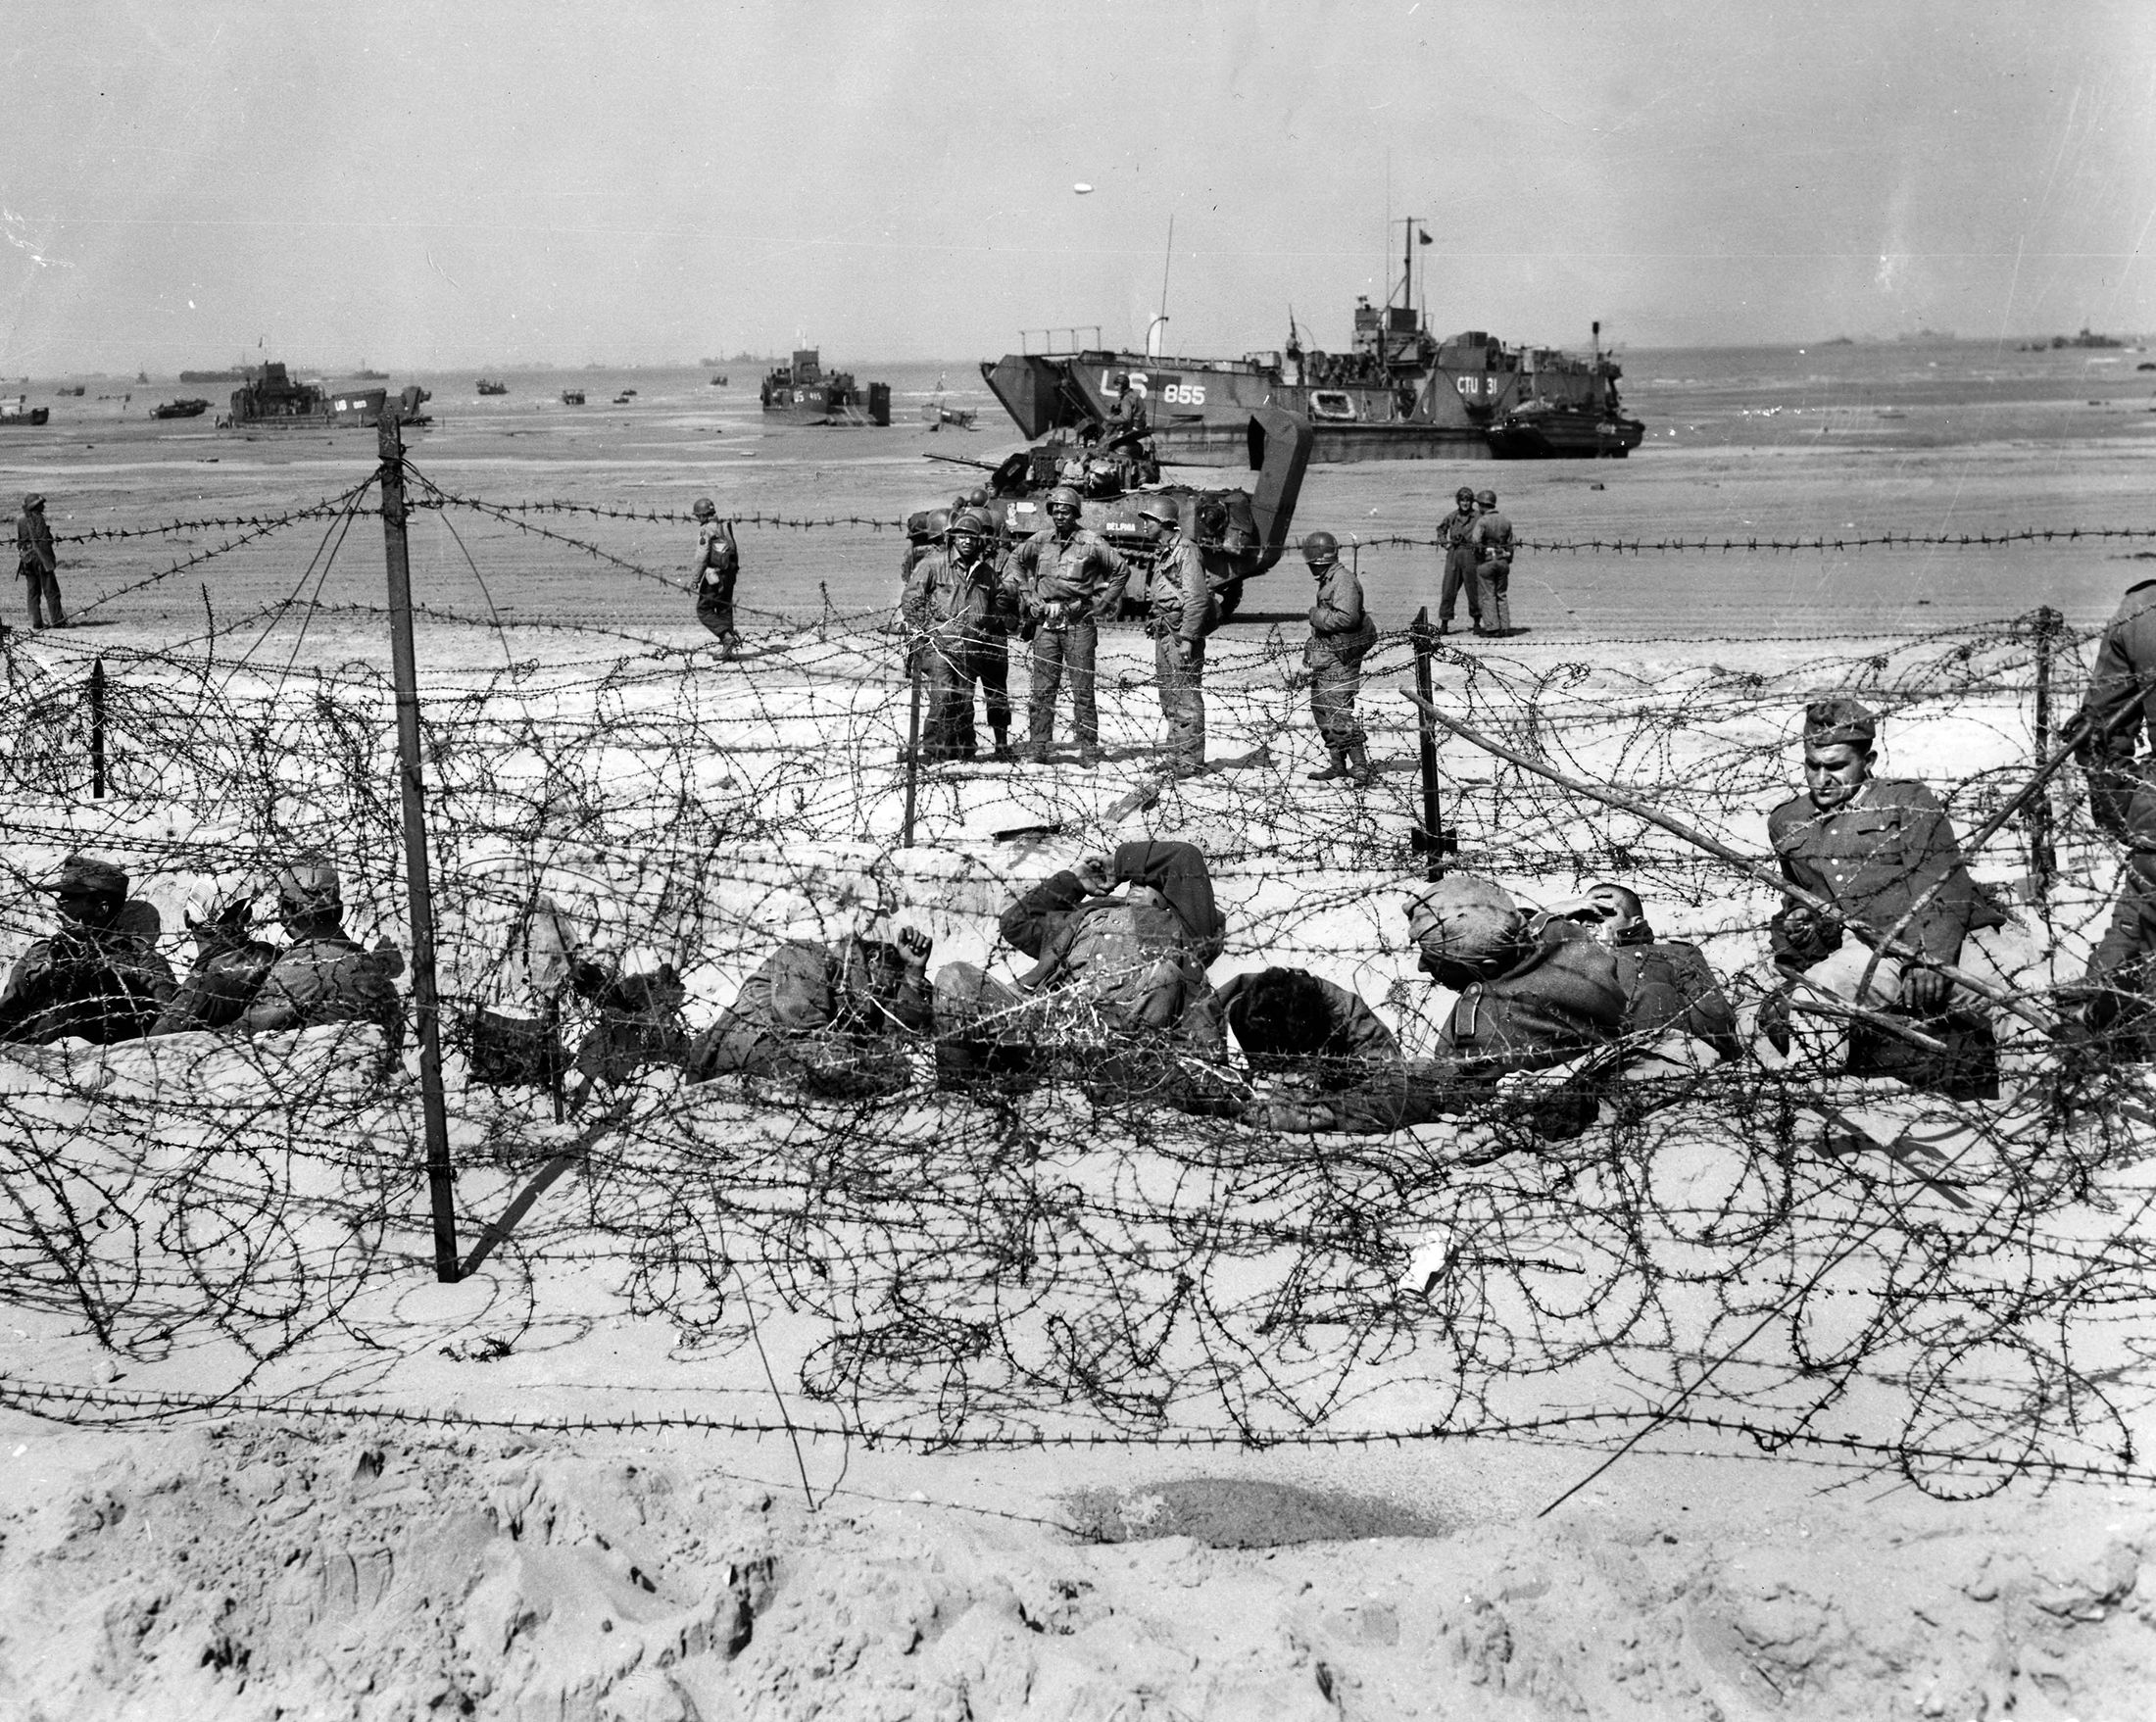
1122, 377
1162, 509
1064, 497
1320, 548
1465, 493
975, 521
938, 523
705, 509
1487, 499
976, 498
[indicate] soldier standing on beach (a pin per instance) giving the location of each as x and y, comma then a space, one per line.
717, 561
1492, 544
1453, 534
2116, 996
1181, 612
35, 563
1066, 578
1340, 634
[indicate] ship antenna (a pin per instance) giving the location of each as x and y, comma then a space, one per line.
1165, 262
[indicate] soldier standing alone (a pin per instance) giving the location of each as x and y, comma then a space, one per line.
1341, 634
1492, 544
717, 561
35, 563
1453, 534
2116, 996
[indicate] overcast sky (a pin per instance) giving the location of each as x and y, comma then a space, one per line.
454, 184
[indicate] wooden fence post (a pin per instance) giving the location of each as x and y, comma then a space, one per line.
2044, 858
98, 779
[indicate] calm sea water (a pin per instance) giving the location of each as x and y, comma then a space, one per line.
1950, 439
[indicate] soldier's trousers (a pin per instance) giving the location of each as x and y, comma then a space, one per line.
1055, 649
954, 669
1335, 678
1496, 580
1459, 577
44, 588
714, 607
2125, 957
1182, 698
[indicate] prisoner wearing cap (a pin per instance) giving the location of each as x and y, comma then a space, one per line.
1464, 918
1837, 721
85, 875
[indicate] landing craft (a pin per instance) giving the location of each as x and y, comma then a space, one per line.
1397, 394
1250, 525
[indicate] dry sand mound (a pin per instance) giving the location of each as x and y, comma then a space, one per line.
258, 1571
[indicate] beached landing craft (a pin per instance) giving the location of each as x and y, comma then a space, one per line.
489, 386
20, 412
189, 407
1397, 394
803, 393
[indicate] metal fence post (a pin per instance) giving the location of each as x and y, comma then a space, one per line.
1429, 839
2042, 854
97, 729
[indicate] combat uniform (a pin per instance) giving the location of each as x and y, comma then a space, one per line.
1127, 426
35, 563
1340, 634
1354, 1038
1455, 541
1064, 585
327, 976
1670, 988
1181, 612
1492, 544
717, 563
1562, 997
2119, 712
94, 983
835, 1016
960, 613
228, 972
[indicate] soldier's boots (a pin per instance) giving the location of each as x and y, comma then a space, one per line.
1003, 745
1337, 770
1037, 754
1088, 757
1359, 767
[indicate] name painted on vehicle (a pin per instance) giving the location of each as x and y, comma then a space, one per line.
1169, 390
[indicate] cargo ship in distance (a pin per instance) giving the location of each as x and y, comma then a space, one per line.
1399, 393
802, 392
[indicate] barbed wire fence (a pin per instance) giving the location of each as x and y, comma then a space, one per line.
1067, 1262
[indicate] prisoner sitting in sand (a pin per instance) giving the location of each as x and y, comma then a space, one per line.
1882, 852
1290, 1022
98, 977
1106, 963
324, 976
837, 1017
231, 964
1670, 988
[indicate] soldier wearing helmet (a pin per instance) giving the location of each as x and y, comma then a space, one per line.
1491, 542
324, 974
35, 563
99, 976
959, 612
717, 561
1180, 610
1455, 532
1065, 578
1340, 634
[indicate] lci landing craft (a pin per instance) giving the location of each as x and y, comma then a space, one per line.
805, 393
1397, 394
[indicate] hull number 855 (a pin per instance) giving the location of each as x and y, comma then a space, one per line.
1171, 394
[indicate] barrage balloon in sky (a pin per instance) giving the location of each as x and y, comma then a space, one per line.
1081, 188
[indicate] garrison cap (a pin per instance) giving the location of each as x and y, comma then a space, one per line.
704, 509
309, 884
85, 875
1830, 722
34, 501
